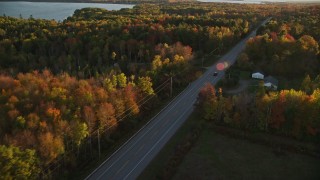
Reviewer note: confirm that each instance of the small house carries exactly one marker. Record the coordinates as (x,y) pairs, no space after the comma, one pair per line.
(271,83)
(257,75)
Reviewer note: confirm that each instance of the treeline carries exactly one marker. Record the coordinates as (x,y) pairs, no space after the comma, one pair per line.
(288,112)
(287,46)
(53,114)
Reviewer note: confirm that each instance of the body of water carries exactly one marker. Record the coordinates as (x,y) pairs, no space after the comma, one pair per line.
(50,10)
(60,11)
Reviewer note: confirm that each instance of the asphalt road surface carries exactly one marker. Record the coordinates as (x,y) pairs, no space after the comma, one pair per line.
(132,157)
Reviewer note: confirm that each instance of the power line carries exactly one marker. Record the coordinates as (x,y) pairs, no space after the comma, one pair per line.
(56,163)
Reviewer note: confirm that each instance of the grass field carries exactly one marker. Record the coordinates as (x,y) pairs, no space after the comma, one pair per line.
(219,157)
(216,156)
(245,75)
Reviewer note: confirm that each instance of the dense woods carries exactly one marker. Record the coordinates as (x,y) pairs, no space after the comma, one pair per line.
(99,73)
(290,113)
(287,46)
(93,40)
(51,114)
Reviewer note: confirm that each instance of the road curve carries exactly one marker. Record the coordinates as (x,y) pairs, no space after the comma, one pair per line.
(132,157)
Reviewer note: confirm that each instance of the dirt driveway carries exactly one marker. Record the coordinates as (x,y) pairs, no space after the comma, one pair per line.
(243,84)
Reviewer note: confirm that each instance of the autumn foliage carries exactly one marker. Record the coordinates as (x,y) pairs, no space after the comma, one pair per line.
(288,45)
(64,83)
(288,112)
(50,114)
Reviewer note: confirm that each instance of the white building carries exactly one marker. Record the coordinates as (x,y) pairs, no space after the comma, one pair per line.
(257,75)
(271,83)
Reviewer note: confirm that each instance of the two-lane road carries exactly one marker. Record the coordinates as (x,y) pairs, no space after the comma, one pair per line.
(132,158)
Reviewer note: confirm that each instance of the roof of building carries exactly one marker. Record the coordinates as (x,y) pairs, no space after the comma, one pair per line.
(271,80)
(257,73)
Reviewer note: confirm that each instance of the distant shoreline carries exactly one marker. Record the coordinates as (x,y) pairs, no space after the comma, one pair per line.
(58,11)
(130,2)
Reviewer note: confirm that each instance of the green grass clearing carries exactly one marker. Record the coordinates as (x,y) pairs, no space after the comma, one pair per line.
(216,156)
(245,75)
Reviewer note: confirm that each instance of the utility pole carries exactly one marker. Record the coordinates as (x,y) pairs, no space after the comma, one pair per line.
(99,144)
(202,62)
(171,86)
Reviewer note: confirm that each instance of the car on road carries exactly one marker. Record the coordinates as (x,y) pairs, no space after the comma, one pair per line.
(215,73)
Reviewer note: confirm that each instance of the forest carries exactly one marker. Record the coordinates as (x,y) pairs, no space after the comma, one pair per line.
(289,113)
(288,47)
(99,73)
(93,40)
